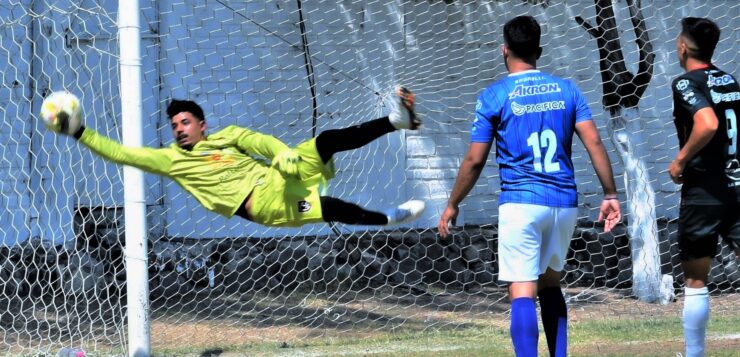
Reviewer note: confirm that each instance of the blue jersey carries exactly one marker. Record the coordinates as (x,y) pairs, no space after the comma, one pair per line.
(532,116)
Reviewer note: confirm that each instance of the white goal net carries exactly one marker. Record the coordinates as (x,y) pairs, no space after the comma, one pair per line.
(293,69)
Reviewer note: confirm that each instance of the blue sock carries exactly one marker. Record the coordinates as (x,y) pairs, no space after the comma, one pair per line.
(695,317)
(524,332)
(554,320)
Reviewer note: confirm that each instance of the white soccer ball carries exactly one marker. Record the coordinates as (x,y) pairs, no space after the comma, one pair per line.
(62,113)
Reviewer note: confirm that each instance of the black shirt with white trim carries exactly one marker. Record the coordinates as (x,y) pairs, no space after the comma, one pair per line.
(713,175)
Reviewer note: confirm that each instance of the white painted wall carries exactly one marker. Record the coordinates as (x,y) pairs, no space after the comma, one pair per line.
(245,65)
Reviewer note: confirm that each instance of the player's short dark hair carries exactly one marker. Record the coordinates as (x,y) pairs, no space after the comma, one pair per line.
(177,106)
(522,36)
(704,34)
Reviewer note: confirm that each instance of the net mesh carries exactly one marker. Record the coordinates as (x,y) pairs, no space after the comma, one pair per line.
(293,69)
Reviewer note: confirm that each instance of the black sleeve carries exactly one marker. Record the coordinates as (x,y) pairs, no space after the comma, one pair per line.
(688,95)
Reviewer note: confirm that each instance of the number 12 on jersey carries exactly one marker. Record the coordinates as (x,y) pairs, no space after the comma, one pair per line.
(538,141)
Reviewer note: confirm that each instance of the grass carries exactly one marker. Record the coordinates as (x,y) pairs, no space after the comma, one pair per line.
(600,337)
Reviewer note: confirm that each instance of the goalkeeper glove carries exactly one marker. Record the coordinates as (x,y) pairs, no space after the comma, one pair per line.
(286,162)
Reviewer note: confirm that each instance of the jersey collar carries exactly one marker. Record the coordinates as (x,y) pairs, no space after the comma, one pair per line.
(525,72)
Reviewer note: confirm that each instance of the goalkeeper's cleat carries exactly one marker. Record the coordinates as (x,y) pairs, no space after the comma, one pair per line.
(405,212)
(402,114)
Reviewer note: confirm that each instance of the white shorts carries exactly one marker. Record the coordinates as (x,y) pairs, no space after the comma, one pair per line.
(532,238)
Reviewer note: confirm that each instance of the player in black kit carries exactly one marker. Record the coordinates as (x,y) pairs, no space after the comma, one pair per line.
(706,103)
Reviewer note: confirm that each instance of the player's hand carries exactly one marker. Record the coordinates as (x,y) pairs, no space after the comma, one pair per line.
(610,213)
(676,171)
(286,162)
(448,216)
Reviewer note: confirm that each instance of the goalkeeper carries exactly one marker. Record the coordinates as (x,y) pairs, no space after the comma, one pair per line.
(225,174)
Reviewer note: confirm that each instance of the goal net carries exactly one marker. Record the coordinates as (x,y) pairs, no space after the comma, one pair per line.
(293,69)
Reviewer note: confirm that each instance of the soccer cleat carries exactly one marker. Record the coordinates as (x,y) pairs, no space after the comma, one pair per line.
(405,212)
(402,114)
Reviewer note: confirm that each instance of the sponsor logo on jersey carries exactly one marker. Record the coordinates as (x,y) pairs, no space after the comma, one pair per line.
(519,109)
(525,91)
(724,97)
(713,81)
(688,96)
(530,79)
(682,84)
(304,206)
(220,158)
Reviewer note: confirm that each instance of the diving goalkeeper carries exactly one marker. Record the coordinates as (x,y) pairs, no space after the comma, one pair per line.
(224,173)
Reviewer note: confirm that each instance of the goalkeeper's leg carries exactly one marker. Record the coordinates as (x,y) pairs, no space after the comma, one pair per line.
(333,141)
(402,116)
(336,210)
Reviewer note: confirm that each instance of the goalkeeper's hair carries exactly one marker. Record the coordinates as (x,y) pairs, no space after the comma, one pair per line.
(704,34)
(177,106)
(522,36)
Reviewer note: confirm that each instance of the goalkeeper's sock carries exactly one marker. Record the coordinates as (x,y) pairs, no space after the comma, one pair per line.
(405,212)
(333,141)
(555,320)
(336,210)
(524,332)
(695,317)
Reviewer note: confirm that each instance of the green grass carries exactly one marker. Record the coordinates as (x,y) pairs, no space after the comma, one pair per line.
(480,342)
(614,337)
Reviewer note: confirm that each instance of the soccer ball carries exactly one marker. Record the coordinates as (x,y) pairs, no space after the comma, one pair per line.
(62,113)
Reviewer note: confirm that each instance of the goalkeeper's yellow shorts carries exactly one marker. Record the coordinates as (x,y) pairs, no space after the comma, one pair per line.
(293,202)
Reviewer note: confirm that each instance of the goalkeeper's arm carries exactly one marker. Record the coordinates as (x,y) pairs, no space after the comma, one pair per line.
(282,156)
(152,160)
(256,143)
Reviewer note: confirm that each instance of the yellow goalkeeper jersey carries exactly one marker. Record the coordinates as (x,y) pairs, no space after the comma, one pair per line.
(220,171)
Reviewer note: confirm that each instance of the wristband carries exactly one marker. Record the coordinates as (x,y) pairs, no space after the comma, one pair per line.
(78,134)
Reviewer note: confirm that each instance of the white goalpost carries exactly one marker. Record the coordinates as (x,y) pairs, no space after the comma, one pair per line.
(137,259)
(106,259)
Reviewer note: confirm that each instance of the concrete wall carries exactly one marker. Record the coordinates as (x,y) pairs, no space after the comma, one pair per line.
(245,65)
(447,51)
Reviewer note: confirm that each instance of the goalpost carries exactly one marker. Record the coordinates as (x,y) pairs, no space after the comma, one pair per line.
(76,272)
(137,270)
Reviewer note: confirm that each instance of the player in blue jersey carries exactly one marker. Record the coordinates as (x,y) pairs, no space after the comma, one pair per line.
(532,116)
(706,103)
